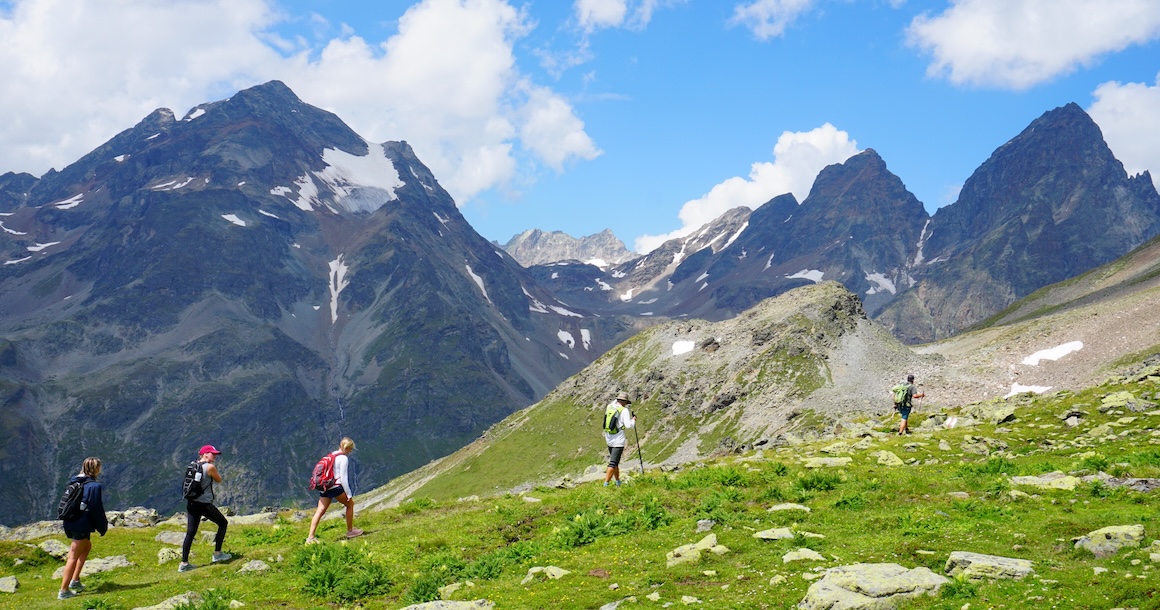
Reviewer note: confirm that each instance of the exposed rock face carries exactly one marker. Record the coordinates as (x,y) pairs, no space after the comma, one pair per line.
(536,247)
(870,586)
(1046,206)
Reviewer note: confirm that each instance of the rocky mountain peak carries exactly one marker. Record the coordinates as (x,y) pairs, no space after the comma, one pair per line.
(536,247)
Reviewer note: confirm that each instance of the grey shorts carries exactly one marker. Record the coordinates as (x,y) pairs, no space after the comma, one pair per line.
(614,454)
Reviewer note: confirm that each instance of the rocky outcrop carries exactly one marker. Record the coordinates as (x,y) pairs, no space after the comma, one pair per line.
(536,247)
(1108,541)
(976,566)
(870,586)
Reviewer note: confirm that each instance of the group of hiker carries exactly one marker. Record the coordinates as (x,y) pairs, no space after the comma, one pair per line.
(82,509)
(85,512)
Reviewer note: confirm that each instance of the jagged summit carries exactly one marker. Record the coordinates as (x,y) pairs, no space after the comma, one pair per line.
(536,247)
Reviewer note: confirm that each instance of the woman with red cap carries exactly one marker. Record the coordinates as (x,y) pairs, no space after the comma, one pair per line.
(200,506)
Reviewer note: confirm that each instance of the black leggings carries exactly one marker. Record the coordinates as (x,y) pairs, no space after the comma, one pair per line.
(194,511)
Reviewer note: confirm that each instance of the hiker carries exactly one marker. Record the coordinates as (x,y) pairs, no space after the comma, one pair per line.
(200,506)
(906,403)
(341,491)
(617,419)
(80,529)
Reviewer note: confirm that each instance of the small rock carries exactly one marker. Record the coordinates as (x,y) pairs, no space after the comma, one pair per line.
(598,573)
(256,565)
(689,600)
(1098,570)
(235,604)
(531,500)
(710,573)
(959,495)
(776,580)
(96,566)
(777,533)
(802,554)
(187,598)
(654,596)
(977,566)
(788,506)
(614,586)
(169,537)
(8,584)
(165,555)
(705,525)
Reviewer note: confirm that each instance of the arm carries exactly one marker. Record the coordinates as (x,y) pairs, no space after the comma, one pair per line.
(212,471)
(96,508)
(341,462)
(629,421)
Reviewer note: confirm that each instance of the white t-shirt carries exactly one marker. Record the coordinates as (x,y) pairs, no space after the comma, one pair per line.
(340,474)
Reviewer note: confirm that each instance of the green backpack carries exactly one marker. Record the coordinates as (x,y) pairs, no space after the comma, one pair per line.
(612,420)
(899,392)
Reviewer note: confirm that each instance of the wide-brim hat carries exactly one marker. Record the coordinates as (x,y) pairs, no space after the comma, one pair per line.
(623,397)
(208,449)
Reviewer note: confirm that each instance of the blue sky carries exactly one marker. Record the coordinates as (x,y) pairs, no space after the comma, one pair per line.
(649,117)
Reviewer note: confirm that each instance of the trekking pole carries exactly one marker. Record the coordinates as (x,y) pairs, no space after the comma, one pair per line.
(638,456)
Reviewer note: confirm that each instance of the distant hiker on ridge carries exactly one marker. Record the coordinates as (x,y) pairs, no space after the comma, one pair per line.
(903,395)
(332,479)
(81,518)
(617,419)
(200,504)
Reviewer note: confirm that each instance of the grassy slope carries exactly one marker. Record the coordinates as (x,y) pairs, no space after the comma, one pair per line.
(867,513)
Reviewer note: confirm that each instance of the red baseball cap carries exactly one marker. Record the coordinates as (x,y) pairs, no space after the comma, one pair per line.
(208,449)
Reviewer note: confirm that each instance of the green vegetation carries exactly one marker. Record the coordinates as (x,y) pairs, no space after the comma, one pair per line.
(940,501)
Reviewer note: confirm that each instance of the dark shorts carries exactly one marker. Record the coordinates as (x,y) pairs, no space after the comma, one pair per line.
(333,492)
(77,533)
(904,412)
(614,454)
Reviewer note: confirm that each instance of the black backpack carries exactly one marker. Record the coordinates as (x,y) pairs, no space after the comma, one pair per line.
(72,506)
(192,485)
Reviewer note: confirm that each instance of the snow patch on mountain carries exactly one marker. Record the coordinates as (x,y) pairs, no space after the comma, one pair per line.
(358,184)
(71,202)
(813,275)
(682,347)
(566,338)
(1054,353)
(586,337)
(38,247)
(881,284)
(234,219)
(736,235)
(338,282)
(478,282)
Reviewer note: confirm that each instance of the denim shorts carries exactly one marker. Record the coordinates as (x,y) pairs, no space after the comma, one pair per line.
(904,412)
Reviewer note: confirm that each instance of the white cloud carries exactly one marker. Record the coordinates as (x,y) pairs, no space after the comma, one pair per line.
(769,18)
(1017,44)
(632,14)
(798,157)
(592,14)
(1124,111)
(447,82)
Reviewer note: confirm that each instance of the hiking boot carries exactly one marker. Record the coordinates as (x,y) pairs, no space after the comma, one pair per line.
(220,557)
(354,533)
(66,594)
(185,567)
(76,586)
(312,540)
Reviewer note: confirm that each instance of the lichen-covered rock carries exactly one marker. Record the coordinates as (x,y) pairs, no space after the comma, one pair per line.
(479,604)
(976,566)
(802,554)
(777,533)
(167,554)
(993,411)
(256,565)
(54,547)
(1108,540)
(1051,480)
(135,517)
(826,462)
(96,566)
(692,552)
(170,537)
(870,586)
(189,597)
(256,519)
(552,572)
(32,531)
(887,458)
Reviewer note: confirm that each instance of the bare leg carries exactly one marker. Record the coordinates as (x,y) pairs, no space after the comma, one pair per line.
(323,504)
(77,554)
(349,503)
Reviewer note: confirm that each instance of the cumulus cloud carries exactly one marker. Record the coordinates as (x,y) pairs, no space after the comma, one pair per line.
(1124,111)
(74,74)
(768,18)
(632,14)
(1016,44)
(798,157)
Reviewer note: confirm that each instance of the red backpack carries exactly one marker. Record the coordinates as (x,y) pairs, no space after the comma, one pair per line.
(322,477)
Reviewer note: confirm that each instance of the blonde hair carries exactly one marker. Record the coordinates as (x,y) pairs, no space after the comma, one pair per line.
(346,444)
(91,467)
